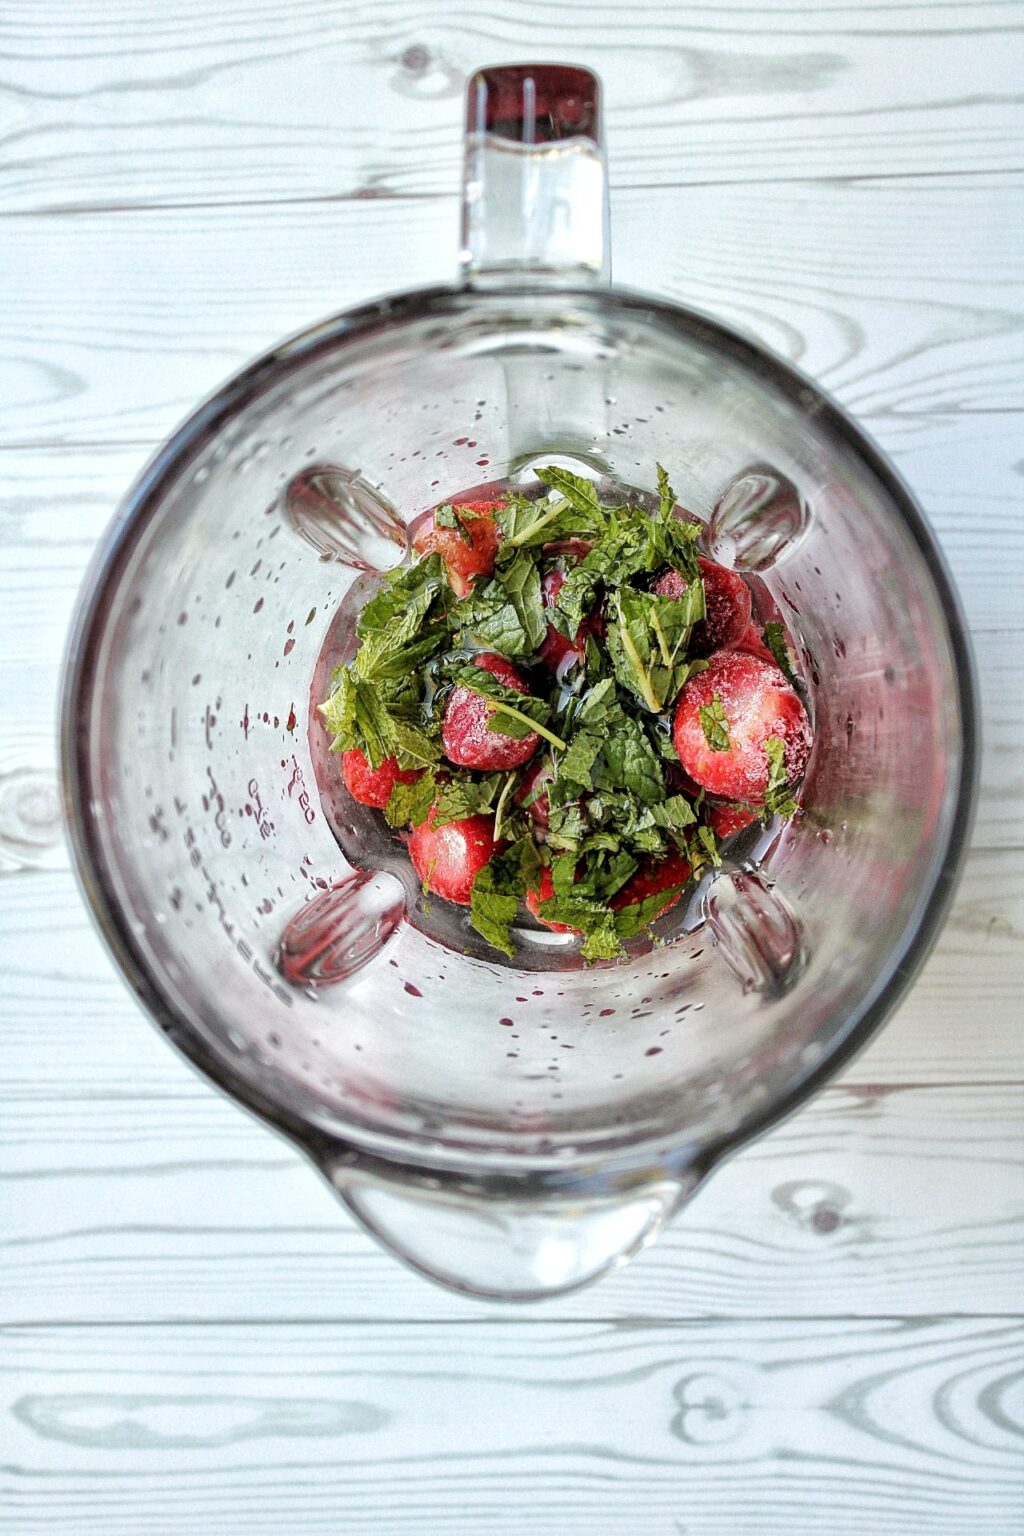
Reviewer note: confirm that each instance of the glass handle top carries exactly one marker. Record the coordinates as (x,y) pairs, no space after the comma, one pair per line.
(534,194)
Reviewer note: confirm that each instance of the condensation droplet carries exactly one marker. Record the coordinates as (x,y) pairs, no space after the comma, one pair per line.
(344,518)
(759,518)
(758,934)
(339,931)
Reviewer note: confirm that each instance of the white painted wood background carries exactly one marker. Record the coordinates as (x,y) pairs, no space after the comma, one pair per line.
(194,1336)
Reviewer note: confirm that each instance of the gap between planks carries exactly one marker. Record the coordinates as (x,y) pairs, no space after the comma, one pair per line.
(516,1317)
(371,194)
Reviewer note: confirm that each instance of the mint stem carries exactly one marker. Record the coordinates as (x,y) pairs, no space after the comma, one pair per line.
(517,714)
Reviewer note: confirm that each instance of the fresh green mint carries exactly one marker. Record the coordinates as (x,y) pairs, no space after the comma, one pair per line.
(714,724)
(778,799)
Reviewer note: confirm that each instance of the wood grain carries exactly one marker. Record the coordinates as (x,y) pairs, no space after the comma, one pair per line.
(125,103)
(72,1030)
(900,1429)
(199,1338)
(868,1202)
(901,297)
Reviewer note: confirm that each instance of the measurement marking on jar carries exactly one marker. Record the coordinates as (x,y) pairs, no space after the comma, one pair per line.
(298,782)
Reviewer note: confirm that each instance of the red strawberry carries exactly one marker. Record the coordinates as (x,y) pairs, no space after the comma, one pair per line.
(463,562)
(751,642)
(465,735)
(373,786)
(543,891)
(758,703)
(678,782)
(651,878)
(577,548)
(726,604)
(557,652)
(727,820)
(538,807)
(449,858)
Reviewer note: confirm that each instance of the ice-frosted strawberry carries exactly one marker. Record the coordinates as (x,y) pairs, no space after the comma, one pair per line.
(726,605)
(543,891)
(466,736)
(373,786)
(726,820)
(532,794)
(463,561)
(752,642)
(449,858)
(724,718)
(669,874)
(557,652)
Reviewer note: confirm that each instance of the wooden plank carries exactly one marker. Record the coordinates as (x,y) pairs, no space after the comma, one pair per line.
(72,1029)
(902,297)
(129,103)
(900,1429)
(867,1203)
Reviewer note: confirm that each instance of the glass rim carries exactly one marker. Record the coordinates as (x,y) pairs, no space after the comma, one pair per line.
(410,1154)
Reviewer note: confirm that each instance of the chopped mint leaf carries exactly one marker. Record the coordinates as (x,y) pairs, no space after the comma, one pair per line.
(714,724)
(666,495)
(409,804)
(406,595)
(778,799)
(602,942)
(701,847)
(597,703)
(499,888)
(628,761)
(675,812)
(508,816)
(520,579)
(412,747)
(489,618)
(774,637)
(579,492)
(709,842)
(647,643)
(360,717)
(577,762)
(566,826)
(631,920)
(458,798)
(529,524)
(605,563)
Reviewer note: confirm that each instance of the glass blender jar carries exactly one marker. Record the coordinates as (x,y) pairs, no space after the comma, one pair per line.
(512,1129)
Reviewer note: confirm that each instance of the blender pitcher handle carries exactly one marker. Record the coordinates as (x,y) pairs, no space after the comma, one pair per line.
(535,188)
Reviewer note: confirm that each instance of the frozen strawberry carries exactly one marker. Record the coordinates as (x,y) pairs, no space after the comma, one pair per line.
(373,786)
(727,820)
(577,548)
(449,858)
(751,642)
(465,734)
(726,605)
(557,652)
(463,561)
(754,702)
(667,874)
(678,782)
(533,796)
(543,891)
